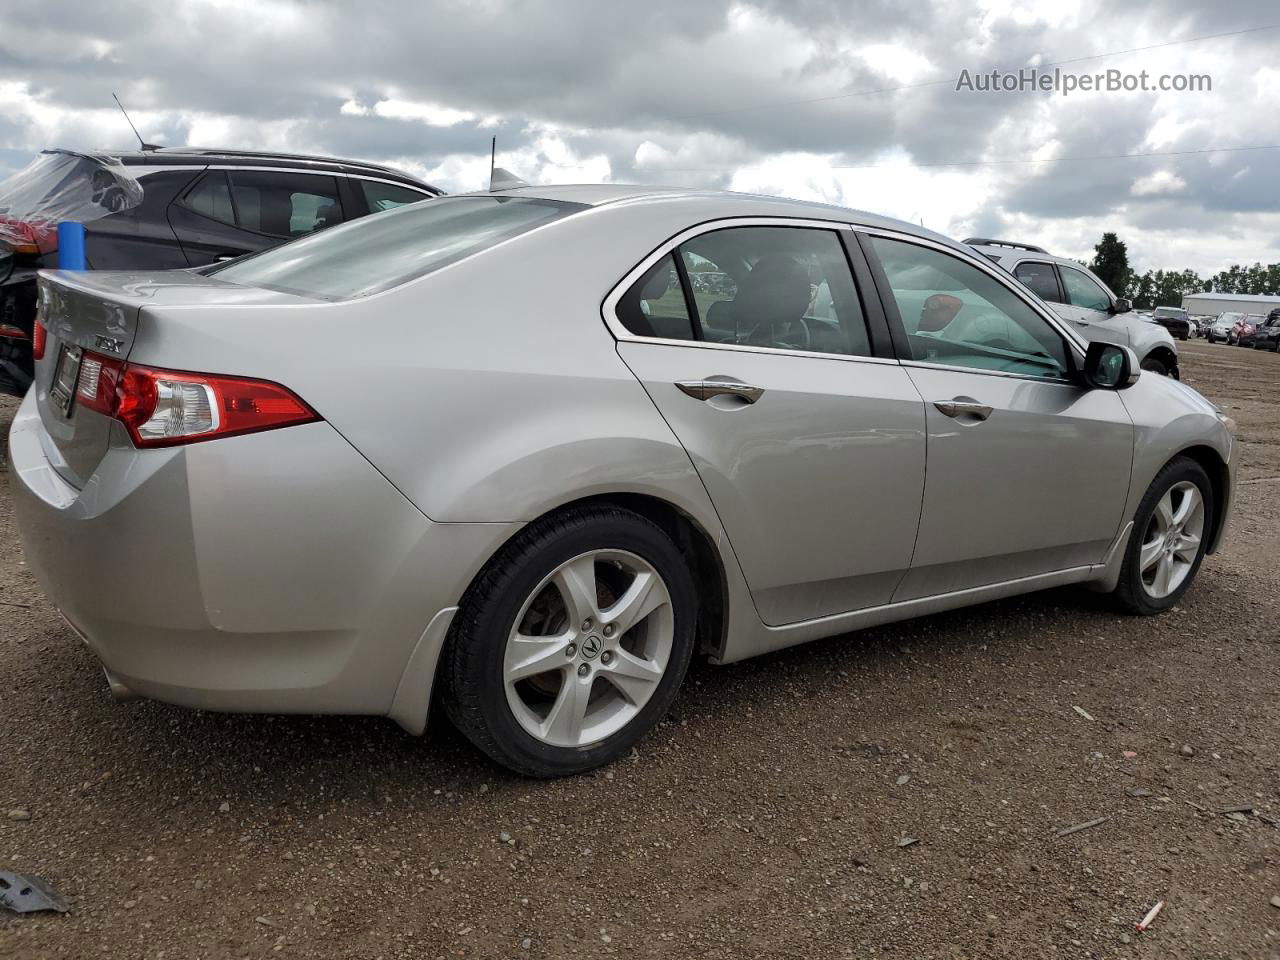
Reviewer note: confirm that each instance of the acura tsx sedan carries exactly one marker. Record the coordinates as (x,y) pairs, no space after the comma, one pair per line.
(528,451)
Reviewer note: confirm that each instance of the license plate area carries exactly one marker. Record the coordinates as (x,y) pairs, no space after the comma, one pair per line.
(65,375)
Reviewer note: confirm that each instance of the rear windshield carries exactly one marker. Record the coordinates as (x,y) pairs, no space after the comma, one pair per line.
(385,250)
(1171,313)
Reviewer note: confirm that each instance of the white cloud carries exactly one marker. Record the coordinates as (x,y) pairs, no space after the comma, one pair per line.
(1159,182)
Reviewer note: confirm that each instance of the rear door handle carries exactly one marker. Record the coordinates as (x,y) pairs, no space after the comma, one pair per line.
(963,408)
(706,389)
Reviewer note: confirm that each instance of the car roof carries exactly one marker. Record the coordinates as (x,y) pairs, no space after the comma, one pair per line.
(205,156)
(732,204)
(1005,251)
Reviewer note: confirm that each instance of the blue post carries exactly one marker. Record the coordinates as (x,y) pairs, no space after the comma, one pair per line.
(71,246)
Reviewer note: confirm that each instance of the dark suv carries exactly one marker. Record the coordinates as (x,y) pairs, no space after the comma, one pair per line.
(1266,336)
(169,208)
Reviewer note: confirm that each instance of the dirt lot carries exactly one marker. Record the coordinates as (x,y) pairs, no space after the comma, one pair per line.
(761,820)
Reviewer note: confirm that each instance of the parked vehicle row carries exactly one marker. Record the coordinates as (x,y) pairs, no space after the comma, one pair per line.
(1077,295)
(170,208)
(551,467)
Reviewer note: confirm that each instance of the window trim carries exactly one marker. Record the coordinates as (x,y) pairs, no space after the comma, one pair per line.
(1062,268)
(842,230)
(1077,346)
(1057,279)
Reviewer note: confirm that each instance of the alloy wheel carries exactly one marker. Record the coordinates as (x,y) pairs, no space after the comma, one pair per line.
(589,648)
(1171,543)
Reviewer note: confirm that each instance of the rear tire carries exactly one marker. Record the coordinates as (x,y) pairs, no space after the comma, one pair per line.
(1171,530)
(572,643)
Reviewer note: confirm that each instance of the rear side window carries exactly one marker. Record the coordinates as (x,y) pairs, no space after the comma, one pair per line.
(284,204)
(388,196)
(372,254)
(1039,278)
(655,304)
(211,198)
(784,288)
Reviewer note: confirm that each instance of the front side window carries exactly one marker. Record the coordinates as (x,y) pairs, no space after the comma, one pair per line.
(955,314)
(1039,278)
(388,196)
(372,254)
(1082,291)
(284,204)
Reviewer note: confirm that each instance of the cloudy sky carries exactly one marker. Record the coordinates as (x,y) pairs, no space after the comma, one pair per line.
(846,101)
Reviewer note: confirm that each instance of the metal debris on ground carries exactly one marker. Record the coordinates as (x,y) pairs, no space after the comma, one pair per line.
(1146,921)
(1077,827)
(1238,808)
(907,841)
(1138,792)
(1083,712)
(22,893)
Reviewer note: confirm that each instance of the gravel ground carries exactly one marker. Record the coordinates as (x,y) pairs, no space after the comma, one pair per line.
(764,818)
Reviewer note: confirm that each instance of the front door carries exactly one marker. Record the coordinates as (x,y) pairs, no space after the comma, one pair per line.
(753,345)
(1027,472)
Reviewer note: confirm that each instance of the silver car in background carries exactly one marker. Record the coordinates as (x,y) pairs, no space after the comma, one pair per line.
(529,451)
(1076,294)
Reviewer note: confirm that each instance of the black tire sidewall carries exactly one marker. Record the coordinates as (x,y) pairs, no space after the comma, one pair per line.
(1132,589)
(1154,365)
(521,572)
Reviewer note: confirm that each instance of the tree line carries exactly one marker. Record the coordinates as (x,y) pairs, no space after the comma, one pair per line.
(1166,288)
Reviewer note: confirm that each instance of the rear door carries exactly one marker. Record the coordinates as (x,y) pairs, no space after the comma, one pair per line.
(754,343)
(1028,472)
(229,213)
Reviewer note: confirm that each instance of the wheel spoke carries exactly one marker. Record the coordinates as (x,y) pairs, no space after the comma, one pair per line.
(1187,547)
(1190,503)
(1164,577)
(645,595)
(635,678)
(529,656)
(1164,511)
(564,721)
(1150,554)
(576,582)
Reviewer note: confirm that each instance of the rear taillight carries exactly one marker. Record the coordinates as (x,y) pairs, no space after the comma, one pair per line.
(161,408)
(29,236)
(38,337)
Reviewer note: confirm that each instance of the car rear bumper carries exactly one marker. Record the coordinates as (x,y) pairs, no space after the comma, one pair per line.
(273,572)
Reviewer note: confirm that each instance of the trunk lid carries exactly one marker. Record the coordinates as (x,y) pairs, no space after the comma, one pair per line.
(99,312)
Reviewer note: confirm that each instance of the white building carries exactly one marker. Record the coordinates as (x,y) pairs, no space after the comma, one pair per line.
(1212,304)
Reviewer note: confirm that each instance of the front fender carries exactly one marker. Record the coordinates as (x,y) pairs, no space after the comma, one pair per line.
(1171,418)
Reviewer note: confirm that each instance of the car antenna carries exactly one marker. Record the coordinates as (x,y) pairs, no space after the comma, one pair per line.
(145,145)
(500,179)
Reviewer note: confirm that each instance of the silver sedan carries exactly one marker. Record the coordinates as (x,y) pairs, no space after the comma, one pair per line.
(529,451)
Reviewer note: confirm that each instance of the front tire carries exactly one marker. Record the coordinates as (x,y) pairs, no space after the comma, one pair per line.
(1170,533)
(572,643)
(1155,365)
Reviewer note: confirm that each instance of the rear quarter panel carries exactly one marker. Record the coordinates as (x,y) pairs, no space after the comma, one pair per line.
(488,391)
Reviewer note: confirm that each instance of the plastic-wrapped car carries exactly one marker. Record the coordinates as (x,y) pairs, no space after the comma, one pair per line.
(169,208)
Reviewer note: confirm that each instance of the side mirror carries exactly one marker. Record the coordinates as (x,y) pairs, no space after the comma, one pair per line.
(1121,305)
(1109,366)
(6,264)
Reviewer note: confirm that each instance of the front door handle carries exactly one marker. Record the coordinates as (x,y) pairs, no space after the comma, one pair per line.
(963,408)
(706,389)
